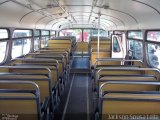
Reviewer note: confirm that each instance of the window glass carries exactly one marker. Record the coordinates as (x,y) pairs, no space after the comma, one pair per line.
(153,36)
(36,39)
(118,32)
(92,32)
(22,33)
(135,35)
(53,33)
(20,47)
(153,53)
(3,46)
(116,47)
(3,34)
(36,33)
(72,32)
(45,32)
(44,38)
(26,46)
(36,43)
(44,41)
(17,48)
(137,48)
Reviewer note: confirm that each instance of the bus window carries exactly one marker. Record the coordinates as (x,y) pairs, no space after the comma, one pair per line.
(153,48)
(36,39)
(36,43)
(135,35)
(153,52)
(135,43)
(53,34)
(22,33)
(3,34)
(92,32)
(21,42)
(3,44)
(44,38)
(153,36)
(137,48)
(72,32)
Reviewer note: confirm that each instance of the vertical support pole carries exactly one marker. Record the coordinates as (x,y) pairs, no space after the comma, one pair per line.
(98,45)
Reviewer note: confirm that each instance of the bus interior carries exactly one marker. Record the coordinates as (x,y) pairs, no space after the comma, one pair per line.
(79,60)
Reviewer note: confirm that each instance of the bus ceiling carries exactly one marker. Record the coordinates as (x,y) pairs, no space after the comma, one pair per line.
(61,14)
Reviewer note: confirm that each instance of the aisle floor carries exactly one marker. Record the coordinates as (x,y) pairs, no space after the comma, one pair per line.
(76,103)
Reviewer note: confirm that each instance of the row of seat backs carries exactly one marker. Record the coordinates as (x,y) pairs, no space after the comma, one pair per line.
(114,63)
(102,54)
(19,103)
(104,50)
(55,57)
(61,57)
(55,68)
(82,47)
(126,89)
(39,70)
(117,62)
(130,103)
(38,76)
(55,51)
(126,74)
(46,62)
(53,65)
(72,38)
(62,42)
(104,43)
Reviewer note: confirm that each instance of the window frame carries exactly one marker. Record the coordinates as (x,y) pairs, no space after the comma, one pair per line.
(82,29)
(146,33)
(7,44)
(36,36)
(1,39)
(51,35)
(150,42)
(22,37)
(28,37)
(72,35)
(142,48)
(135,38)
(118,32)
(45,30)
(41,36)
(138,40)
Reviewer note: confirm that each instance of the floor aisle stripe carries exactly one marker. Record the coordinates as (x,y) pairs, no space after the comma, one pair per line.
(68,97)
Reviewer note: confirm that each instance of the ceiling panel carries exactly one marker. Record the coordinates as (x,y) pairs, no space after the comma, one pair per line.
(126,14)
(11,14)
(78,8)
(77,2)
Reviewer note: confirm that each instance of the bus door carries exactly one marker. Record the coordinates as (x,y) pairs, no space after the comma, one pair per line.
(118,46)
